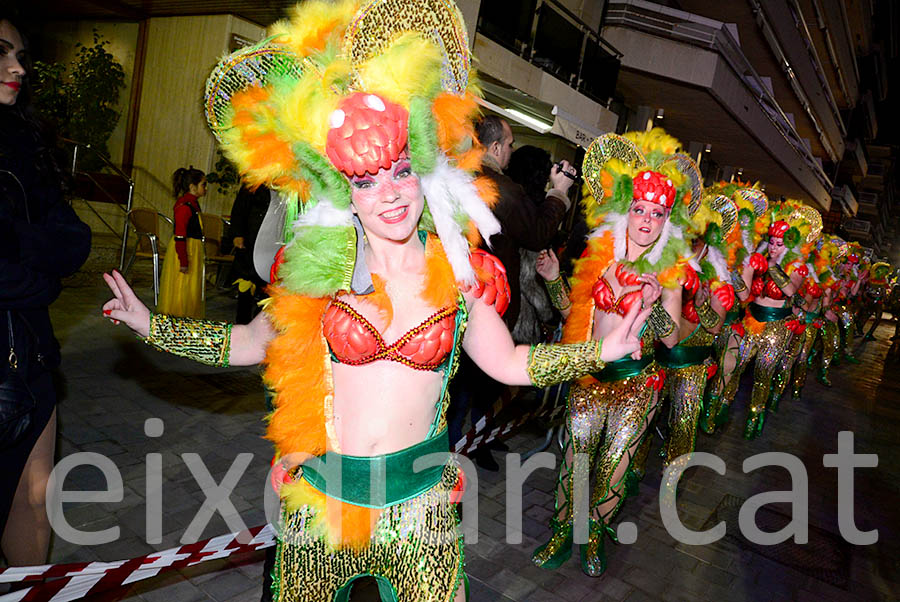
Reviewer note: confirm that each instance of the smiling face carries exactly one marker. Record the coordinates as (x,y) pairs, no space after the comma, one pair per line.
(12,57)
(776,248)
(645,222)
(390,202)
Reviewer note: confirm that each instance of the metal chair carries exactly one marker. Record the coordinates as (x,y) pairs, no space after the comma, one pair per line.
(213,236)
(145,223)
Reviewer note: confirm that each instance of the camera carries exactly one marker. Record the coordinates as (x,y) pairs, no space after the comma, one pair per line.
(571,176)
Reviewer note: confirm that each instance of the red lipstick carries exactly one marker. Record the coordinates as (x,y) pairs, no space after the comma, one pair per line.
(14,85)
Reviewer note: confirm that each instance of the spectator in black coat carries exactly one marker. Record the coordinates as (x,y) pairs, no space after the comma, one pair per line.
(525,225)
(247,215)
(41,241)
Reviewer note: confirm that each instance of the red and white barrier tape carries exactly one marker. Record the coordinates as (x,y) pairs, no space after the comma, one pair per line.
(65,582)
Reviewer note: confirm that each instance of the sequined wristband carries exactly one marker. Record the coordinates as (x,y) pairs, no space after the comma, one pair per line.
(199,340)
(708,316)
(778,276)
(660,321)
(738,282)
(552,364)
(559,293)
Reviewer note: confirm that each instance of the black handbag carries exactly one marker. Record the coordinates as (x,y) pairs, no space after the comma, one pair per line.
(17,402)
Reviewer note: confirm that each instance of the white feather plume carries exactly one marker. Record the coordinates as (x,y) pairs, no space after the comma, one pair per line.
(714,256)
(325,214)
(448,192)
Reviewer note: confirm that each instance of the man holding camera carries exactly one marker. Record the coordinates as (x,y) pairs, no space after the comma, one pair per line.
(524,225)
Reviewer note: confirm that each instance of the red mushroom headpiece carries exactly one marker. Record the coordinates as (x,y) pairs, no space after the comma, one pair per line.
(367,133)
(779,228)
(654,187)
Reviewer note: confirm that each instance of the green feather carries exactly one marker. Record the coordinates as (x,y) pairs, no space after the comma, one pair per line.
(426,222)
(423,143)
(319,261)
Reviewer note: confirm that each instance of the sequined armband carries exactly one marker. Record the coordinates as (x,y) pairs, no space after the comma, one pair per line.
(660,321)
(551,364)
(559,293)
(738,282)
(708,316)
(778,276)
(199,340)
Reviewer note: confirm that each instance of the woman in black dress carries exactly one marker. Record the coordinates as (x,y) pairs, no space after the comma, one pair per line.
(41,241)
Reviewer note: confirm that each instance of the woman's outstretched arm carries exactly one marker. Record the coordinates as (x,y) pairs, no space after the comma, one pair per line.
(200,340)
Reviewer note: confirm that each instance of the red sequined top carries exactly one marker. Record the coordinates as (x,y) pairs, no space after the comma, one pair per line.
(605,299)
(354,340)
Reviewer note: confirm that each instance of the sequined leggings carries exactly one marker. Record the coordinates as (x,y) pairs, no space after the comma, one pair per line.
(720,394)
(769,347)
(685,387)
(415,553)
(606,422)
(807,343)
(831,344)
(848,330)
(782,373)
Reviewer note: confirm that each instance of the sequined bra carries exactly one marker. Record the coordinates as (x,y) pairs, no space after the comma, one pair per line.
(354,340)
(605,298)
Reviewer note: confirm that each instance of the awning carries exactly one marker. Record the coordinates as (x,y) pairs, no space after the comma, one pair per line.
(558,122)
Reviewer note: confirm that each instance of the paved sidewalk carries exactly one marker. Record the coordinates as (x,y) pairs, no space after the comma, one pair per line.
(113,384)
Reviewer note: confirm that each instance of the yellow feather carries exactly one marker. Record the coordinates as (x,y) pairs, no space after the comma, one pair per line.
(313,24)
(411,66)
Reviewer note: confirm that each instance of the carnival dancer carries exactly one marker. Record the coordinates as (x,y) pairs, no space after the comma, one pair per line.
(806,219)
(849,272)
(638,209)
(810,310)
(691,363)
(769,321)
(893,303)
(873,299)
(361,121)
(743,261)
(831,337)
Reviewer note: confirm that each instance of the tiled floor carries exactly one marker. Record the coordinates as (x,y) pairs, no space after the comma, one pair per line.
(113,384)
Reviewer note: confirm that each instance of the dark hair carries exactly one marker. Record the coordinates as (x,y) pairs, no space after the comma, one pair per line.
(183,178)
(21,128)
(23,99)
(489,130)
(529,166)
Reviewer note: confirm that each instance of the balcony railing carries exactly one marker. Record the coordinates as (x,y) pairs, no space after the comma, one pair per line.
(550,36)
(706,33)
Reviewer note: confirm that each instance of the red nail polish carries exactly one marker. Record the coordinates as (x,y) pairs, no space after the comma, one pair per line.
(107,312)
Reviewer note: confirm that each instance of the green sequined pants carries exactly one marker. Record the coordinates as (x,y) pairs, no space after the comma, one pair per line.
(605,423)
(685,388)
(807,344)
(415,553)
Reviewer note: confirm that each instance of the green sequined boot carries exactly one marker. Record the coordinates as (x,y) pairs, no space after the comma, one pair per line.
(593,553)
(823,378)
(555,552)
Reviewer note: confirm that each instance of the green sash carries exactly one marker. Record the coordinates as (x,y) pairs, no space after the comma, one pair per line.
(362,478)
(761,313)
(682,356)
(622,369)
(735,315)
(811,316)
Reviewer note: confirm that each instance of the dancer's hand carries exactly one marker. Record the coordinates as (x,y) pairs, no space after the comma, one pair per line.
(625,339)
(126,307)
(651,289)
(547,265)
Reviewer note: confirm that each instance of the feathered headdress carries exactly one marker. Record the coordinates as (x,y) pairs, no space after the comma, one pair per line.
(798,225)
(641,166)
(343,87)
(716,223)
(753,219)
